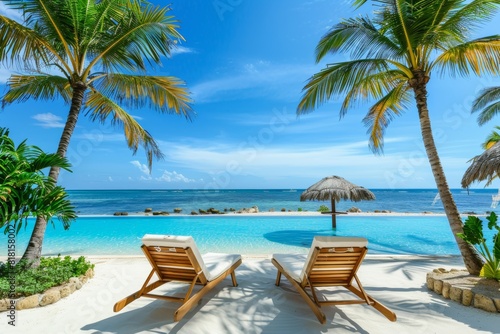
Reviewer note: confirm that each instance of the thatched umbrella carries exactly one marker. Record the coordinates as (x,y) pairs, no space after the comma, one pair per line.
(484,166)
(335,188)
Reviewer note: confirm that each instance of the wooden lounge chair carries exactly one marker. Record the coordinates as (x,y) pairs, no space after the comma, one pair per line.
(332,261)
(177,259)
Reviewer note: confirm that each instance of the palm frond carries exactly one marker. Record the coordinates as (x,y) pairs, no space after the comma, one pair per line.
(37,87)
(358,36)
(383,112)
(487,96)
(337,79)
(478,56)
(141,36)
(163,94)
(462,21)
(102,109)
(373,86)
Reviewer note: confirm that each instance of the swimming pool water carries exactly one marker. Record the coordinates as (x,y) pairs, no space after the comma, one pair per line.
(251,235)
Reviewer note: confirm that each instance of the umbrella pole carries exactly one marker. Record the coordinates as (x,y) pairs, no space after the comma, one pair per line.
(334,216)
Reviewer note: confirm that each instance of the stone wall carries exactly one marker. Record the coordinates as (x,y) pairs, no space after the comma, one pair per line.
(466,289)
(50,296)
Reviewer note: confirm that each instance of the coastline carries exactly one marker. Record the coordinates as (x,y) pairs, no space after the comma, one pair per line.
(288,213)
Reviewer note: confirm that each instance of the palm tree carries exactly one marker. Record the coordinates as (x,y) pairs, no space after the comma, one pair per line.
(24,190)
(492,139)
(102,50)
(393,55)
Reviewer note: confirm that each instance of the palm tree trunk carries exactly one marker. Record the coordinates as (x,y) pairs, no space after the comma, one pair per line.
(470,257)
(34,250)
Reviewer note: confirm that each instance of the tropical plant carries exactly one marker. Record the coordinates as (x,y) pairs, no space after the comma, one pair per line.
(492,139)
(323,208)
(24,190)
(487,103)
(102,50)
(53,271)
(393,56)
(473,234)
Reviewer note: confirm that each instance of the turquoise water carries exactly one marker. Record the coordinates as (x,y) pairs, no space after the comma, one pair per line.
(251,235)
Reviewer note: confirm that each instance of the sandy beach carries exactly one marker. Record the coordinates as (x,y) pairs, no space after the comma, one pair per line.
(256,305)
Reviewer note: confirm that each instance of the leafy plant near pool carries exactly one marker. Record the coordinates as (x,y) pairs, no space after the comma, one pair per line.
(473,234)
(51,272)
(323,208)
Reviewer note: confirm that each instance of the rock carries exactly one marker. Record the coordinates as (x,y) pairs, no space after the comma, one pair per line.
(147,210)
(28,302)
(201,211)
(194,213)
(271,210)
(117,214)
(283,210)
(177,210)
(446,290)
(430,282)
(65,291)
(438,286)
(89,273)
(160,213)
(496,301)
(456,294)
(50,297)
(123,213)
(467,297)
(484,303)
(354,209)
(3,304)
(76,282)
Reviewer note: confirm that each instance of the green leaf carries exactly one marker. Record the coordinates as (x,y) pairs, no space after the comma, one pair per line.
(473,230)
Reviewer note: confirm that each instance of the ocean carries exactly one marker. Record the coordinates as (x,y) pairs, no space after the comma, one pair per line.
(107,202)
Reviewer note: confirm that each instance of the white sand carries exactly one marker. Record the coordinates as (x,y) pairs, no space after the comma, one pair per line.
(257,305)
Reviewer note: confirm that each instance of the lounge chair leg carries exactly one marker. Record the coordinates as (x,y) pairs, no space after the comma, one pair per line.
(388,313)
(233,278)
(278,278)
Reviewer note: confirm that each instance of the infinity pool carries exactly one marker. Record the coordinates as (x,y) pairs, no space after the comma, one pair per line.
(250,235)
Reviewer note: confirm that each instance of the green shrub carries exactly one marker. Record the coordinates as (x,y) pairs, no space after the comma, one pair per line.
(51,272)
(323,208)
(299,209)
(473,234)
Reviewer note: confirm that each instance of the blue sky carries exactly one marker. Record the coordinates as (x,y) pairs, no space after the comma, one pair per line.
(245,63)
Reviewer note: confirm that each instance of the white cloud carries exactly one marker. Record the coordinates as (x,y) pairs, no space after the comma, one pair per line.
(255,79)
(110,179)
(174,177)
(177,50)
(49,120)
(98,136)
(142,167)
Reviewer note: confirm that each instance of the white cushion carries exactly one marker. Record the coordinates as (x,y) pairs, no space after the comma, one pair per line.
(296,264)
(218,263)
(212,264)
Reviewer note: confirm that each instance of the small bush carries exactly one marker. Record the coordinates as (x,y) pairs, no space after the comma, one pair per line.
(299,209)
(51,272)
(323,208)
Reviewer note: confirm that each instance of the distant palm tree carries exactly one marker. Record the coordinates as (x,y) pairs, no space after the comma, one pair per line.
(393,55)
(491,140)
(89,42)
(24,190)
